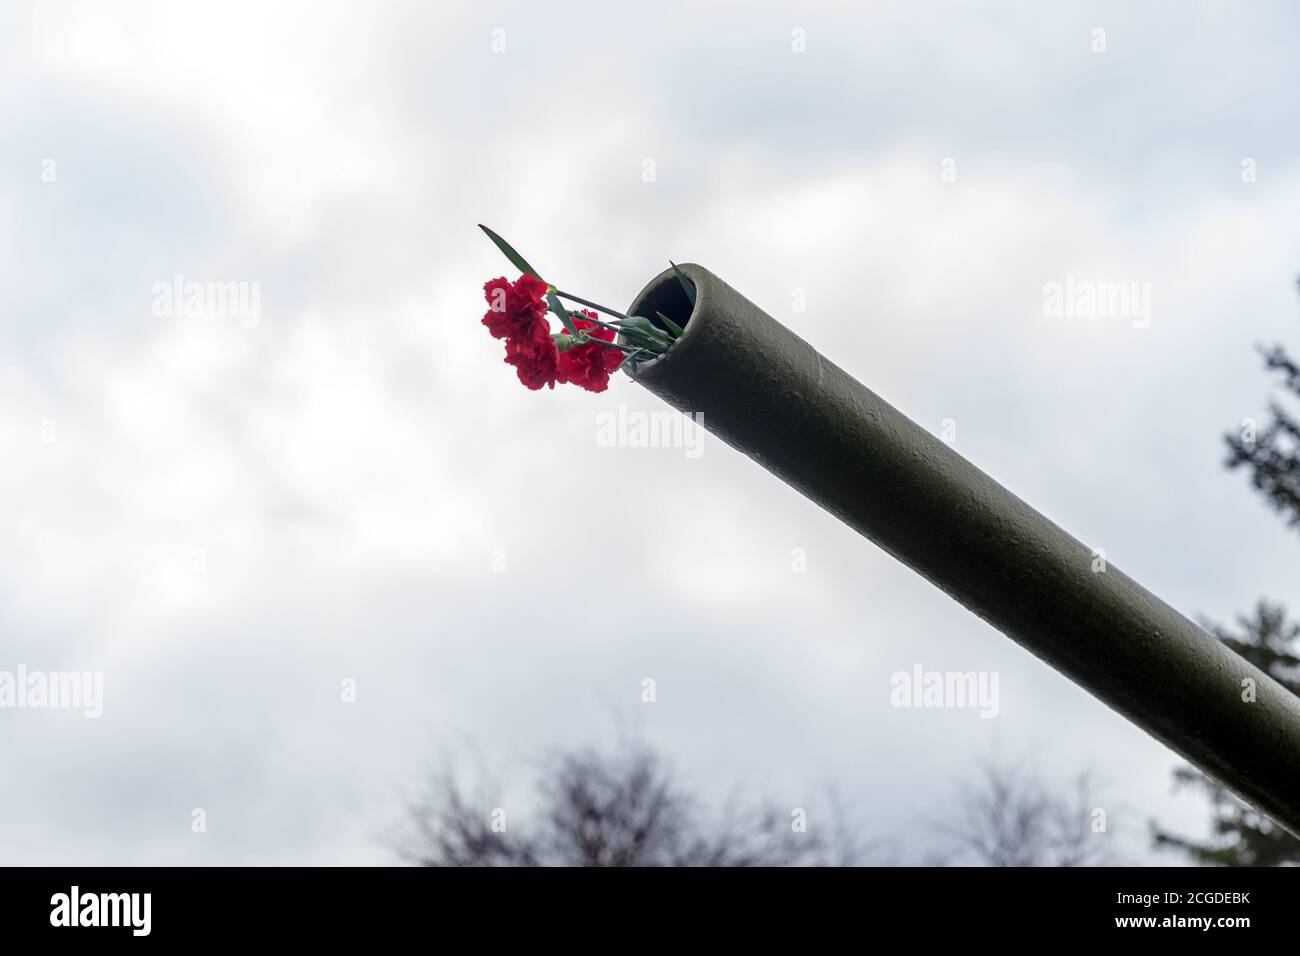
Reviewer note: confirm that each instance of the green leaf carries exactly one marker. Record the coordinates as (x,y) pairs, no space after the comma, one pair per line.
(641,326)
(687,285)
(519,261)
(558,308)
(673,327)
(650,345)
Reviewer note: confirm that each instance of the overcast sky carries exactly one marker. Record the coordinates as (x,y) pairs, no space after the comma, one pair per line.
(231,519)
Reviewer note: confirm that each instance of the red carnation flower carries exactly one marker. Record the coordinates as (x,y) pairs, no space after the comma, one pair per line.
(534,357)
(515,309)
(517,313)
(584,353)
(534,363)
(589,365)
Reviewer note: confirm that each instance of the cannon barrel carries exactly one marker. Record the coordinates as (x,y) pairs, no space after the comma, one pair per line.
(768,393)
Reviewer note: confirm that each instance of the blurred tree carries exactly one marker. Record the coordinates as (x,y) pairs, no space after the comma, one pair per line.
(617,809)
(1272,455)
(1007,817)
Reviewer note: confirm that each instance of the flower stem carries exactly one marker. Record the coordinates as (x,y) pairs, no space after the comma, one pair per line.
(587,318)
(591,305)
(609,345)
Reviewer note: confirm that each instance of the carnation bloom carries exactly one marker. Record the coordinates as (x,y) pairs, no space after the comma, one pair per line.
(584,353)
(515,309)
(517,313)
(534,358)
(589,365)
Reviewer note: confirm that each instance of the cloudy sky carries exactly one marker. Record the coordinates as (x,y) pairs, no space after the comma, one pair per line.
(236,519)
